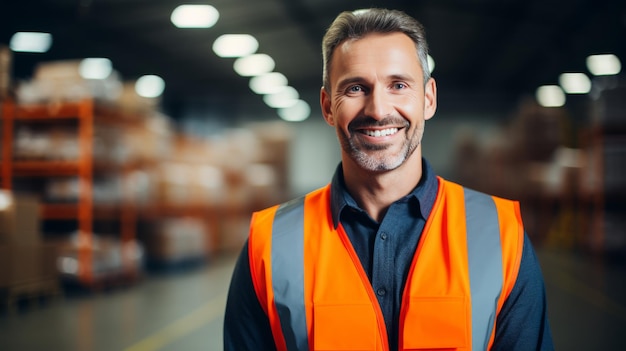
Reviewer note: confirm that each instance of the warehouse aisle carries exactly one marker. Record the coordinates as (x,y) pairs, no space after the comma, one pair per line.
(183,312)
(164,312)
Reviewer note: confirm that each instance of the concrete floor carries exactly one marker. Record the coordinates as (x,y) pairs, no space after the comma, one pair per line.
(587,305)
(162,312)
(586,301)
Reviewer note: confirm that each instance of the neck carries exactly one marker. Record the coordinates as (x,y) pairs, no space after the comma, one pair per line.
(376,191)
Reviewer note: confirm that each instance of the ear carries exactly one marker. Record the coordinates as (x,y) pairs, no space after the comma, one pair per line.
(325,103)
(430,99)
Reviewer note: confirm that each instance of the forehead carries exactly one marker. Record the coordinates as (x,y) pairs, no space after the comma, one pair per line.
(381,54)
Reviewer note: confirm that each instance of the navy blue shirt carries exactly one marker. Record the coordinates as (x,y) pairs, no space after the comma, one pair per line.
(386,250)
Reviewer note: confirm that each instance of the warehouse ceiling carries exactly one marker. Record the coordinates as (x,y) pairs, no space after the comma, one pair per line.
(495,47)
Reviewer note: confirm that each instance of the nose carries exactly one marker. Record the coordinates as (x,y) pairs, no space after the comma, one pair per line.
(378,103)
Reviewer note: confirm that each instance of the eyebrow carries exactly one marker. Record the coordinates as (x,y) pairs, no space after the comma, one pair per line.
(404,77)
(349,81)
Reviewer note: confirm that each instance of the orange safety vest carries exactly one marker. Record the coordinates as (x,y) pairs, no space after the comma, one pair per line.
(312,286)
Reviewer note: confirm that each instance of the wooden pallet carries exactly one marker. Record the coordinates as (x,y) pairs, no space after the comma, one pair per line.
(28,293)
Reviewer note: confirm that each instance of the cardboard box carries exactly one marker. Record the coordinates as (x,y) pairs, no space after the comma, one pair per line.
(21,264)
(178,239)
(6,68)
(20,221)
(234,231)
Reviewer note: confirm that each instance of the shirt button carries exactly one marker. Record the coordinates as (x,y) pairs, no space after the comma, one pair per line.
(381,291)
(383,236)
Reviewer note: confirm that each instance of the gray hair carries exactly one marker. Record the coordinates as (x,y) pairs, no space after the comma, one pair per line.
(357,24)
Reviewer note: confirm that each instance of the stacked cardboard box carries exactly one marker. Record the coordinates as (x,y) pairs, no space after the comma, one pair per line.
(174,241)
(112,262)
(606,146)
(60,81)
(5,71)
(25,260)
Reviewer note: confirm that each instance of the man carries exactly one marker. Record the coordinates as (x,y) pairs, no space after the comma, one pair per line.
(388,256)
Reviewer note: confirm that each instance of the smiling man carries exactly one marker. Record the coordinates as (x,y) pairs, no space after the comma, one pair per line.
(388,256)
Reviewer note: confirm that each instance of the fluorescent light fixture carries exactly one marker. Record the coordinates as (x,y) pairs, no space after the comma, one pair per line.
(268,83)
(575,83)
(235,45)
(150,86)
(31,42)
(431,63)
(95,68)
(604,65)
(286,97)
(550,96)
(253,65)
(195,16)
(296,113)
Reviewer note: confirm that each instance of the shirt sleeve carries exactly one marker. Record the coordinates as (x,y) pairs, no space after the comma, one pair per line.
(523,321)
(246,326)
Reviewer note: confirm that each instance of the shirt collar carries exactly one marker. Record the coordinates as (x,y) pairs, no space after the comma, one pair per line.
(425,192)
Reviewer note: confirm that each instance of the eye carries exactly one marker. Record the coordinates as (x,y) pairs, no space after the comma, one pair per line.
(355,89)
(399,86)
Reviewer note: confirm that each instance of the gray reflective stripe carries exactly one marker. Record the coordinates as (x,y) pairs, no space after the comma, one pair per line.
(484,253)
(288,273)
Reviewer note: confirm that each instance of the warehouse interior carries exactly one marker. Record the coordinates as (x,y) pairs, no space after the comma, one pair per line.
(135,146)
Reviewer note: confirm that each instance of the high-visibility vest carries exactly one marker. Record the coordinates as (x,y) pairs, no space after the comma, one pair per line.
(316,294)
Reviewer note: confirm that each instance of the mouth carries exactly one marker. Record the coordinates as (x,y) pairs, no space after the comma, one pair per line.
(378,133)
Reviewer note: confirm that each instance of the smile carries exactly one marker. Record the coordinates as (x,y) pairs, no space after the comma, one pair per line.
(381,133)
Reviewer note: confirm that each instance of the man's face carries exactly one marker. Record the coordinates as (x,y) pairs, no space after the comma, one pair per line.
(377,100)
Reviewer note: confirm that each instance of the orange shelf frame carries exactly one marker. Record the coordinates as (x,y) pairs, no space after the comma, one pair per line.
(45,168)
(85,113)
(70,211)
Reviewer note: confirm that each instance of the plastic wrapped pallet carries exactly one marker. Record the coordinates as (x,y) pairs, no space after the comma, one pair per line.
(59,81)
(177,240)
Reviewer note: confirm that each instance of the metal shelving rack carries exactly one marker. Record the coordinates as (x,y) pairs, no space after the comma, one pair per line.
(84,112)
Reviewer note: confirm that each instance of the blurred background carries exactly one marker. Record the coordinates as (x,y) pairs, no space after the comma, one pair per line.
(138,136)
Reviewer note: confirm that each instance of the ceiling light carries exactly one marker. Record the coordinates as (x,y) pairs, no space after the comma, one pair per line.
(296,113)
(150,86)
(31,42)
(286,97)
(195,16)
(95,68)
(254,65)
(550,96)
(268,83)
(235,45)
(431,64)
(575,83)
(604,65)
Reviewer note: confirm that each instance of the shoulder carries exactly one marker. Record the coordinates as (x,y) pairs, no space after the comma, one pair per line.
(483,203)
(262,221)
(484,211)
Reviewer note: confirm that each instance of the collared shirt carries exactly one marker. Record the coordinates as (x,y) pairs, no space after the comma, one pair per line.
(386,250)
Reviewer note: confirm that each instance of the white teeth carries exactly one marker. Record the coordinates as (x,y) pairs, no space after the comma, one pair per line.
(380,133)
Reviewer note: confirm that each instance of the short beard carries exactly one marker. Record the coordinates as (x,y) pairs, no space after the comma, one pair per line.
(359,152)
